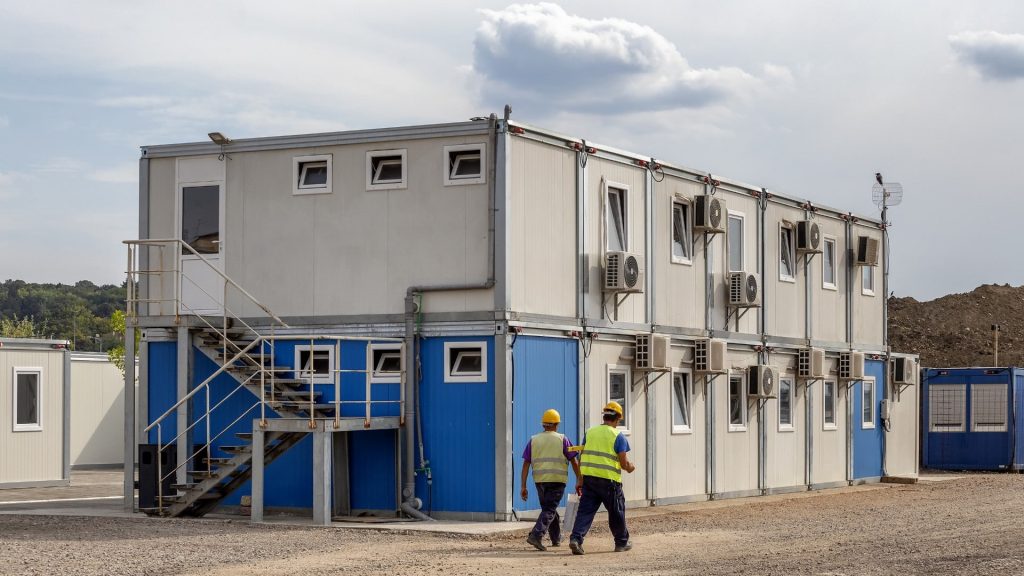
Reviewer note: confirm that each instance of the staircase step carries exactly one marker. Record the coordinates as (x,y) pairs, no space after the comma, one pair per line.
(185,486)
(203,474)
(298,405)
(236,449)
(218,461)
(244,435)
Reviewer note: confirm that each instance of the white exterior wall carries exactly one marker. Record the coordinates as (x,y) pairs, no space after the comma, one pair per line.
(678,286)
(786,446)
(902,440)
(34,455)
(828,305)
(743,204)
(97,411)
(785,299)
(679,455)
(830,445)
(868,308)
(736,468)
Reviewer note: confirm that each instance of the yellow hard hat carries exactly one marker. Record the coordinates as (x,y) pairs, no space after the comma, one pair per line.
(551,416)
(613,406)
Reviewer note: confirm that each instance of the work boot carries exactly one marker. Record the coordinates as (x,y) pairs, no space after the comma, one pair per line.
(624,547)
(535,542)
(556,543)
(576,547)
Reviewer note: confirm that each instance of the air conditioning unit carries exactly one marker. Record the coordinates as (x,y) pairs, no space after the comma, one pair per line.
(623,272)
(867,251)
(851,365)
(811,363)
(904,371)
(744,289)
(808,237)
(709,355)
(651,352)
(761,381)
(709,214)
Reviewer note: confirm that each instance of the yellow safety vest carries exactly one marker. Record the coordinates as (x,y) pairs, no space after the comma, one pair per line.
(546,457)
(599,457)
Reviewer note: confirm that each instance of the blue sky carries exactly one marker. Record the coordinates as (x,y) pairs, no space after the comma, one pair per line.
(803,97)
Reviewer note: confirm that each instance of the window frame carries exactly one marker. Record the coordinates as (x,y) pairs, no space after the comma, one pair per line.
(825,423)
(947,387)
(988,427)
(868,271)
(298,163)
(866,385)
(371,366)
(742,217)
(317,378)
(787,248)
(688,390)
(372,184)
(450,376)
(742,378)
(834,285)
(607,188)
(627,405)
(687,230)
(448,169)
(786,427)
(36,426)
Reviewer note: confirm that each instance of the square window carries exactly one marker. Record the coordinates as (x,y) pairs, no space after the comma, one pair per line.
(988,407)
(386,170)
(828,402)
(867,389)
(682,394)
(28,399)
(786,405)
(385,363)
(867,280)
(316,362)
(311,174)
(787,251)
(682,243)
(734,238)
(619,378)
(828,264)
(465,164)
(947,407)
(465,362)
(616,218)
(737,404)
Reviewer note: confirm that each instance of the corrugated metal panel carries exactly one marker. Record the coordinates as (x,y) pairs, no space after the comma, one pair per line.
(32,456)
(97,413)
(372,469)
(163,385)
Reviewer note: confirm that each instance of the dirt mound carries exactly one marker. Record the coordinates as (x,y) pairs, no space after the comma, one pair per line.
(956,330)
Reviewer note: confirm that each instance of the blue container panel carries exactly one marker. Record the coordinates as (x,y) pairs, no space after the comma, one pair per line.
(867,443)
(372,469)
(1018,415)
(546,376)
(162,386)
(459,435)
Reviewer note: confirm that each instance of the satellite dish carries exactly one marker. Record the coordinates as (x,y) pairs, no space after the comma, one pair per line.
(886,193)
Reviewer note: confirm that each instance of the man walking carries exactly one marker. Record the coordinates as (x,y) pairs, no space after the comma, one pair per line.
(550,456)
(604,458)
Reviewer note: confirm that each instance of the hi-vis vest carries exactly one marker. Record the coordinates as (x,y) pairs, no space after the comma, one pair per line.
(599,458)
(546,457)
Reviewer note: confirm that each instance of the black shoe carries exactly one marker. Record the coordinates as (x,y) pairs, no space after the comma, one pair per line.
(624,547)
(556,543)
(576,547)
(535,542)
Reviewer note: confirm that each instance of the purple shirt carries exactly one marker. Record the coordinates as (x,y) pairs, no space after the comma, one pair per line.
(569,455)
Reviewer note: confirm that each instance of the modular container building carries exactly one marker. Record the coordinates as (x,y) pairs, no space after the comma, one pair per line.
(97,411)
(34,413)
(971,418)
(374,321)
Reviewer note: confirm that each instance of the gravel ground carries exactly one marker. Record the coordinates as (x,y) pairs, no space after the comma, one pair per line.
(971,525)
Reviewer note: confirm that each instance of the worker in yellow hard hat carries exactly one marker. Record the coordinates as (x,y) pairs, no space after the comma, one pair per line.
(604,458)
(550,455)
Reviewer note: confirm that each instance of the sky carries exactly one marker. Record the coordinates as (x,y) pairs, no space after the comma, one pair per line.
(806,98)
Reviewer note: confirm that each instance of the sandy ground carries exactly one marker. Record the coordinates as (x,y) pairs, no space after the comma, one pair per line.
(971,525)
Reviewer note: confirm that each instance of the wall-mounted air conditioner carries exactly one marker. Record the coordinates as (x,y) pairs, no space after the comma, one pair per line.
(851,365)
(651,352)
(808,237)
(904,371)
(761,381)
(709,214)
(744,289)
(623,272)
(867,251)
(709,356)
(811,363)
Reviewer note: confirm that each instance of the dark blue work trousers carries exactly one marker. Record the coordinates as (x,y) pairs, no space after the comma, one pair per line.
(549,494)
(597,491)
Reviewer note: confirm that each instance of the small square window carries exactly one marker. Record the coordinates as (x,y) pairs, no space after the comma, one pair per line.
(618,391)
(465,362)
(311,174)
(28,399)
(787,258)
(385,363)
(682,394)
(828,264)
(989,407)
(682,244)
(947,407)
(785,405)
(464,164)
(386,170)
(828,402)
(737,404)
(316,362)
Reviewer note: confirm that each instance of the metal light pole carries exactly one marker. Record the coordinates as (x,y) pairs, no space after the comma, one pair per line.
(995,344)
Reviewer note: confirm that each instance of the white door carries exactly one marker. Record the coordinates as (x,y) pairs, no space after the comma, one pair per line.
(201,219)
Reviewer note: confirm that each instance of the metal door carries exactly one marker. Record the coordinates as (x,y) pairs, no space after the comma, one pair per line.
(200,221)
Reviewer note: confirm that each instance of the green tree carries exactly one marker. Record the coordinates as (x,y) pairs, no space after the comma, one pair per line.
(15,328)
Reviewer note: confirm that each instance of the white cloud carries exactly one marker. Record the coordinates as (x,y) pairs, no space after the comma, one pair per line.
(127,173)
(540,55)
(994,55)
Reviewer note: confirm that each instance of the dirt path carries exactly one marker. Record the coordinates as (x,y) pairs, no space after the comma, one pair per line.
(974,525)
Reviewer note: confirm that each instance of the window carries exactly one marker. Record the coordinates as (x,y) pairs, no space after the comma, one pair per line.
(465,362)
(385,170)
(385,363)
(682,393)
(311,174)
(316,362)
(786,404)
(828,264)
(867,406)
(616,222)
(618,391)
(787,259)
(200,218)
(464,164)
(947,407)
(828,401)
(737,404)
(735,239)
(988,407)
(28,399)
(682,243)
(867,280)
